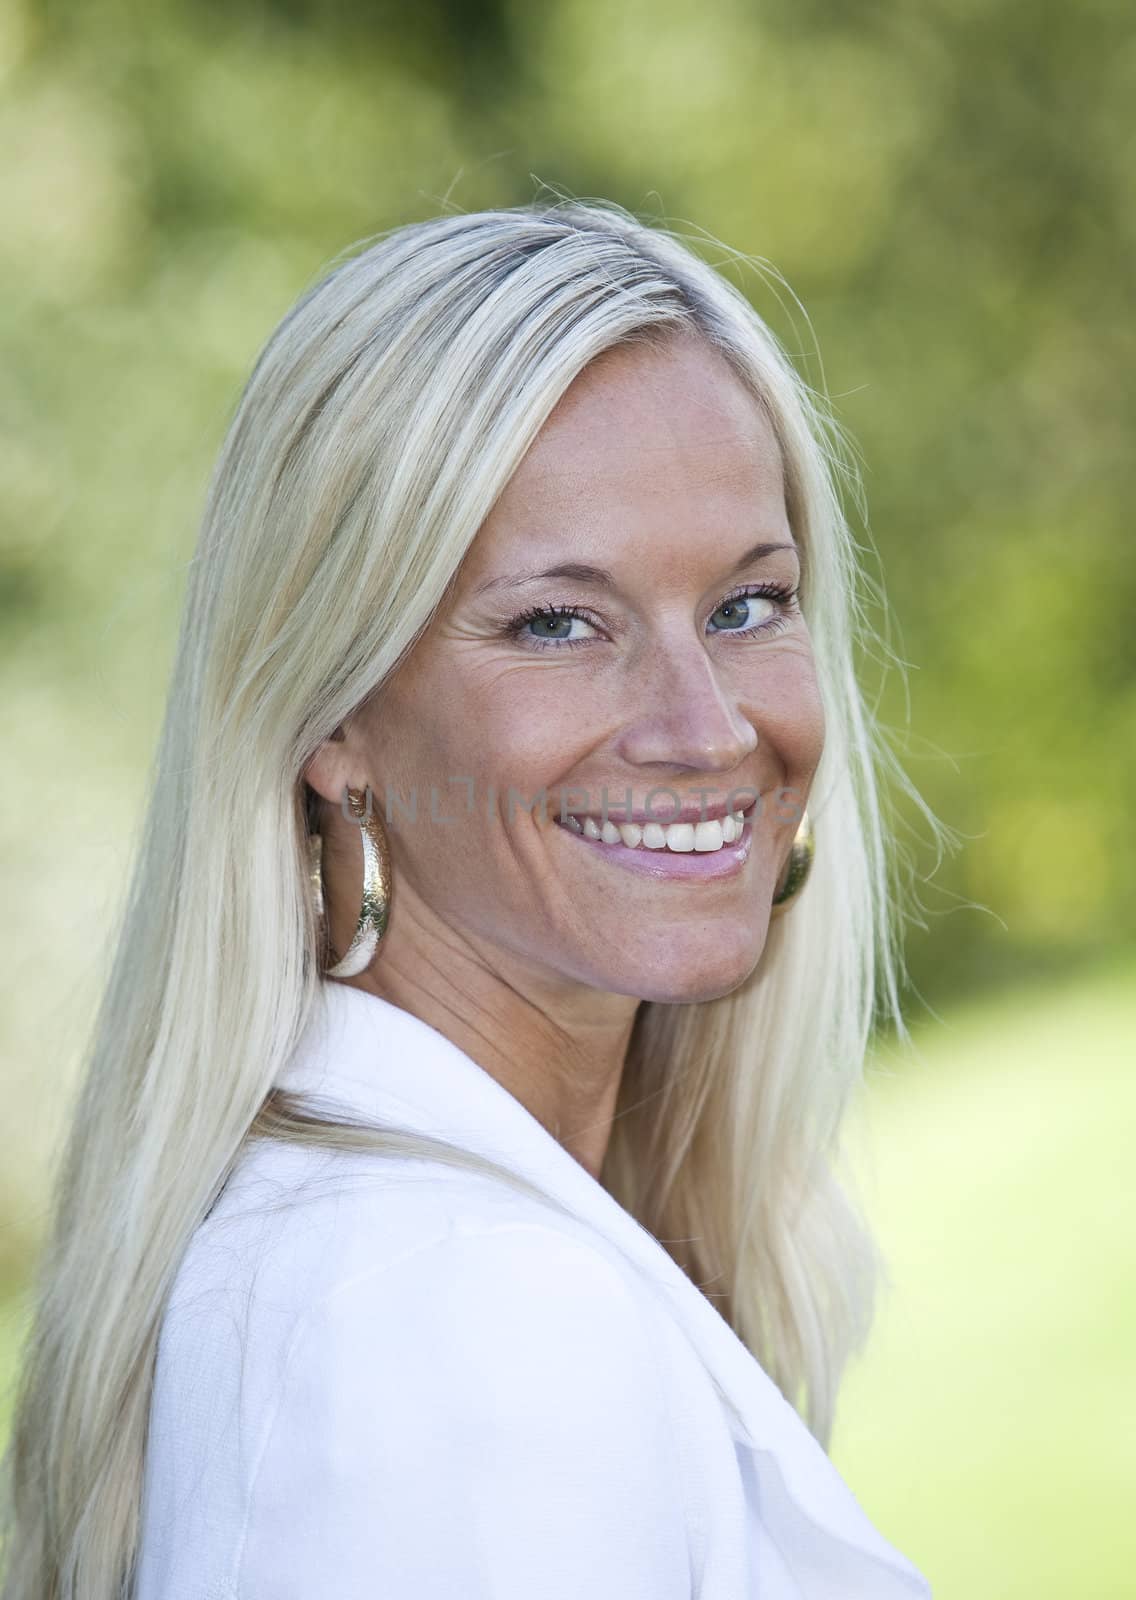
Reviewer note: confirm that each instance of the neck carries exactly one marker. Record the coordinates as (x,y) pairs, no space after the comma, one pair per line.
(557,1047)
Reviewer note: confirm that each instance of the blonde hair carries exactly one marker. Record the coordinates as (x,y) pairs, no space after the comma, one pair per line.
(379,425)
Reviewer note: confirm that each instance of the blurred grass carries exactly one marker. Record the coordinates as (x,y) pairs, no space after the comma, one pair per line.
(990,1429)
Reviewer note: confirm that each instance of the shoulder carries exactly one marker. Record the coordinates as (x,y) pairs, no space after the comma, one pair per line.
(474,1294)
(507,1295)
(484,1413)
(446,1270)
(419,1381)
(298,1226)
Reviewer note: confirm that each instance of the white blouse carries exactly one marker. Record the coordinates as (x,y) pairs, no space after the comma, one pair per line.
(384,1378)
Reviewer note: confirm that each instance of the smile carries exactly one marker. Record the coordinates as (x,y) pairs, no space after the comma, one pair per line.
(680,837)
(710,849)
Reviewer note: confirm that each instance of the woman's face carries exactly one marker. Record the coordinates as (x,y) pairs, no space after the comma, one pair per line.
(667,660)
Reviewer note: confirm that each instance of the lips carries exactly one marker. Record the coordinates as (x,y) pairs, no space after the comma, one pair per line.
(680,852)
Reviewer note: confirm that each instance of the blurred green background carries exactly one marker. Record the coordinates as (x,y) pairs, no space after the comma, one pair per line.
(948,189)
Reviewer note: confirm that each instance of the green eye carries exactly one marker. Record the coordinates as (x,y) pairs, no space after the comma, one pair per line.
(735,612)
(545,627)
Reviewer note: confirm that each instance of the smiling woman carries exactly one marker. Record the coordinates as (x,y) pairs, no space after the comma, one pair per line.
(451,1204)
(680,692)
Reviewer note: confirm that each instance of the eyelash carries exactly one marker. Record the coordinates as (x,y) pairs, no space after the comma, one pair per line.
(784,593)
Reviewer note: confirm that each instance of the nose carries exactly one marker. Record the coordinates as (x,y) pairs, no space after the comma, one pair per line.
(684,713)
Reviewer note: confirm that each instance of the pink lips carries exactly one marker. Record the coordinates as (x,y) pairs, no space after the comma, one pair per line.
(723,863)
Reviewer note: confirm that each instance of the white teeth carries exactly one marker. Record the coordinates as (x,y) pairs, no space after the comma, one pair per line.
(681,837)
(708,836)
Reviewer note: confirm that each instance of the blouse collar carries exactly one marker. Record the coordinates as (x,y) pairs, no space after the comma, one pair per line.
(383,1063)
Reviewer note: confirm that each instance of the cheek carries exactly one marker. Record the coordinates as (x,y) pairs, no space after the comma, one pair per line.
(789,712)
(491,728)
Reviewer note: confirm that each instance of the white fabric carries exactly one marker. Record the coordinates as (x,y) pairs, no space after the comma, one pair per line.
(389,1379)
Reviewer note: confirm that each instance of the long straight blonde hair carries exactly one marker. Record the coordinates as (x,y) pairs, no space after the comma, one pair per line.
(380,423)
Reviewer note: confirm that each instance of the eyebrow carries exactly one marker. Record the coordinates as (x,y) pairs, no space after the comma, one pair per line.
(601,578)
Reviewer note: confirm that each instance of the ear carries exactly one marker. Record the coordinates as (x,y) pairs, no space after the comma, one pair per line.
(329,771)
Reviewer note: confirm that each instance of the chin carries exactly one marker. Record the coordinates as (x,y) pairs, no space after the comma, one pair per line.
(685,982)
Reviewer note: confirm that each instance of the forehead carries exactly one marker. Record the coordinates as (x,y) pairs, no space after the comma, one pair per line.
(644,427)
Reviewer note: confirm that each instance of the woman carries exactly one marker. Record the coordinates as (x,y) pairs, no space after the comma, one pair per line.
(450,1207)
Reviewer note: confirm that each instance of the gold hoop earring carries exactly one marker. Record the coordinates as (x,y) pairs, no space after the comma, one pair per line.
(800,865)
(374,910)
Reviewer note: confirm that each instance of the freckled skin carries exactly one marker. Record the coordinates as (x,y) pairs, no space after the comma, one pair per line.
(510,935)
